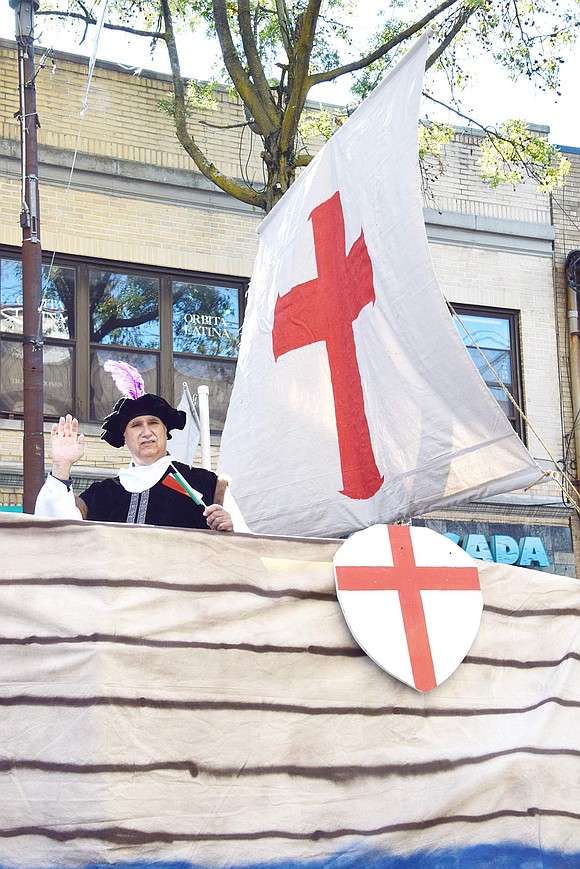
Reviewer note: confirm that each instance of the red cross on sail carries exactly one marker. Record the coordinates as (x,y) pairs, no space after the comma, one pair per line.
(324,309)
(411,580)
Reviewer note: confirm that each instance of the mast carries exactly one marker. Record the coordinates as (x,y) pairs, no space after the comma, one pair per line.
(33,390)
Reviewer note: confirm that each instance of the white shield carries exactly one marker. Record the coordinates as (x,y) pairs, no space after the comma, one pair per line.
(411,599)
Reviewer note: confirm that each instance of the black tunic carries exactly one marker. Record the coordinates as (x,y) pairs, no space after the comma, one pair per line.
(108,501)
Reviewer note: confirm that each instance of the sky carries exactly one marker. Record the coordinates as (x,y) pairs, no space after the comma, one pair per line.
(491,98)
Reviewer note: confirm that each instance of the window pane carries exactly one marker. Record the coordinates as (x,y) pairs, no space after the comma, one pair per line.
(489,332)
(219,376)
(58,378)
(503,401)
(500,361)
(10,296)
(58,299)
(206,319)
(58,302)
(124,309)
(11,377)
(104,393)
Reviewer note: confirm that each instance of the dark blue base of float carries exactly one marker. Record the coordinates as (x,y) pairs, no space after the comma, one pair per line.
(497,856)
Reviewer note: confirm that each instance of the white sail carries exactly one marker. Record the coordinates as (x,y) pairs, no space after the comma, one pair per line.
(355,401)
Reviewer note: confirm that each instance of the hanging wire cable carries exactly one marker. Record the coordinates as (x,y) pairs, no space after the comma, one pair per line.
(93,58)
(84,108)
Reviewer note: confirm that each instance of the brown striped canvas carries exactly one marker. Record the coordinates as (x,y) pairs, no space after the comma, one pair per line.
(195,699)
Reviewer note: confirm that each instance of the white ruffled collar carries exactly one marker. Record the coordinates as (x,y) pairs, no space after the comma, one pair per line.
(137,478)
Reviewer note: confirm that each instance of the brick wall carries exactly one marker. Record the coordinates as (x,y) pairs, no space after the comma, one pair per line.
(460,189)
(123,120)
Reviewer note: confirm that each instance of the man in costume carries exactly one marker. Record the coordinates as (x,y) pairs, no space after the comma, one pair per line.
(155,489)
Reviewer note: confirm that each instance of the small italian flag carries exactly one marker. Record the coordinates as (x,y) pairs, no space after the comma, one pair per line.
(178,483)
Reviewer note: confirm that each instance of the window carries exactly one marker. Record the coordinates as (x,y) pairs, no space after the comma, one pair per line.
(56,322)
(173,327)
(124,324)
(496,334)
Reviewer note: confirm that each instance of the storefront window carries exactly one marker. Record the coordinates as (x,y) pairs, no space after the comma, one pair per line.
(58,300)
(104,393)
(217,374)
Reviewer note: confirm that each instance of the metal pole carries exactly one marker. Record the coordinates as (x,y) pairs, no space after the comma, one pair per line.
(33,444)
(572,272)
(204,439)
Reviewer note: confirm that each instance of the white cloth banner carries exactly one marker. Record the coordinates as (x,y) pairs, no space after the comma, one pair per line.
(355,401)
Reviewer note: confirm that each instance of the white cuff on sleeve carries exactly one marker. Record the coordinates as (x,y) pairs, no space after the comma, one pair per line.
(56,501)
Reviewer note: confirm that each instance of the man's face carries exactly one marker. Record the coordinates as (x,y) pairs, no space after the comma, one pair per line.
(146,438)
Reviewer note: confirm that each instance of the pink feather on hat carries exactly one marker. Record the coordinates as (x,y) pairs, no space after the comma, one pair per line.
(127,379)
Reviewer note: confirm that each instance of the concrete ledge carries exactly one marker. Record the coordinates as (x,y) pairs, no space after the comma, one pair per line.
(125,178)
(472,230)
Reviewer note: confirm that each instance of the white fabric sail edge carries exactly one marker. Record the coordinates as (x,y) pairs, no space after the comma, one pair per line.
(438,436)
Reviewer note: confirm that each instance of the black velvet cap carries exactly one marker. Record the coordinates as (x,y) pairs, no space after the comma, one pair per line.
(127,409)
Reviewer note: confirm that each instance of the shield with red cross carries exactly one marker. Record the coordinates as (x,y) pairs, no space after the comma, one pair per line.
(411,599)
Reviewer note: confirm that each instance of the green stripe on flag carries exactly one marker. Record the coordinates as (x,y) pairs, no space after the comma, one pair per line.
(193,494)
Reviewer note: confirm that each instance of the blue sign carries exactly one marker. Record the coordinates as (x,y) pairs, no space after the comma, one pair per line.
(503,549)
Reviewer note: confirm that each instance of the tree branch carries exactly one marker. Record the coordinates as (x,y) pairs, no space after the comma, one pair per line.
(300,83)
(113,322)
(484,129)
(460,22)
(88,19)
(363,62)
(187,141)
(255,66)
(494,137)
(285,29)
(260,113)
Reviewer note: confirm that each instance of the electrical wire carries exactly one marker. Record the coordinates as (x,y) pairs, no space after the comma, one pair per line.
(83,111)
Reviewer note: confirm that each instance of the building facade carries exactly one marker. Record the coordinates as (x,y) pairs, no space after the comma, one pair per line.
(148,262)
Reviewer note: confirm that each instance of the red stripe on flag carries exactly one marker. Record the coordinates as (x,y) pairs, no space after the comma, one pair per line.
(172,483)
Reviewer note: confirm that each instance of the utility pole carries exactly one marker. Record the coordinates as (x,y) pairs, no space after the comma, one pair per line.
(572,273)
(33,447)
